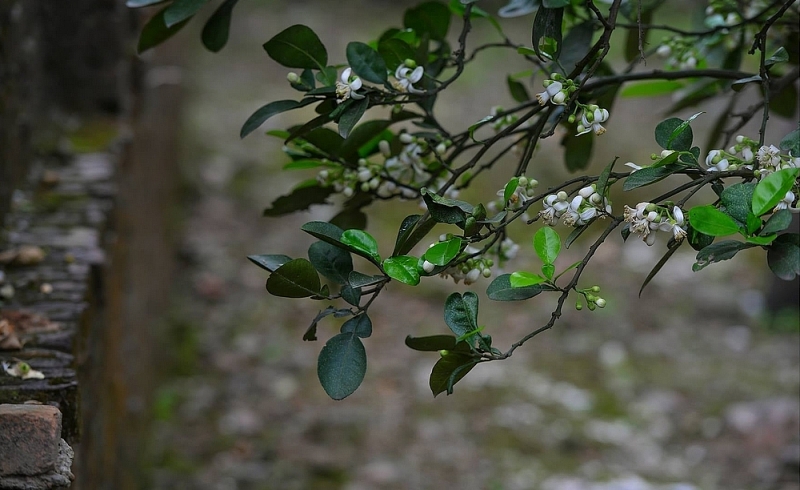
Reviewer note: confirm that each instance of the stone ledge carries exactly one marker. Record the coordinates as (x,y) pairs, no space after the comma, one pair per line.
(29,438)
(60,478)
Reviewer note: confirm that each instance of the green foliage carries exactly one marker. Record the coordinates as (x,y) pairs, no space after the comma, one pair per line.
(772,189)
(342,365)
(297,47)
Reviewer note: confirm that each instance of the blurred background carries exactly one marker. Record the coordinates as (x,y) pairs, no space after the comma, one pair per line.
(692,386)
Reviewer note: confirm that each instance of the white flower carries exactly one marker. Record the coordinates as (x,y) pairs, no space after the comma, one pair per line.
(590,121)
(633,166)
(786,203)
(549,92)
(472,276)
(664,50)
(716,162)
(768,156)
(347,85)
(572,216)
(747,154)
(406,78)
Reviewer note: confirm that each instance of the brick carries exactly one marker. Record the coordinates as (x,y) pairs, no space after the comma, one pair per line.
(29,439)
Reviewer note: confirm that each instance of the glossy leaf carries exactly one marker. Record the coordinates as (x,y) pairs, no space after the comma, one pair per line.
(791,142)
(342,365)
(362,241)
(360,325)
(431,343)
(511,186)
(215,32)
(449,370)
(155,32)
(712,221)
(547,244)
(299,200)
(547,24)
(777,222)
(260,116)
(443,252)
(331,261)
(349,218)
(518,91)
(501,290)
(574,234)
(366,62)
(772,189)
(717,252)
(739,84)
(522,279)
(359,280)
(554,4)
(445,210)
(783,256)
(181,10)
(672,134)
(602,179)
(394,52)
(351,115)
(412,231)
(461,313)
(294,279)
(431,18)
(402,268)
(780,56)
(297,46)
(648,175)
(269,262)
(737,200)
(360,136)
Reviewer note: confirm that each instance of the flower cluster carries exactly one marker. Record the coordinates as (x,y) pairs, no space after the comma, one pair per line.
(469,270)
(592,300)
(578,211)
(591,118)
(407,74)
(557,90)
(648,218)
(347,85)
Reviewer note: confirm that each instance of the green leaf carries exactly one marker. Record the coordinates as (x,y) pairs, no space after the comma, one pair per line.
(294,279)
(547,244)
(777,222)
(366,62)
(667,138)
(697,240)
(402,268)
(215,32)
(449,370)
(648,175)
(331,261)
(412,231)
(351,295)
(135,4)
(300,199)
(443,252)
(548,270)
(772,189)
(326,140)
(351,114)
(717,252)
(360,136)
(752,224)
(361,241)
(737,200)
(269,262)
(547,24)
(260,116)
(181,10)
(577,151)
(432,343)
(311,332)
(780,56)
(394,52)
(783,256)
(522,279)
(327,77)
(431,18)
(342,365)
(602,179)
(574,234)
(501,290)
(511,186)
(791,143)
(739,84)
(360,325)
(155,32)
(359,280)
(445,210)
(349,218)
(651,88)
(518,91)
(461,313)
(712,221)
(761,240)
(297,46)
(784,103)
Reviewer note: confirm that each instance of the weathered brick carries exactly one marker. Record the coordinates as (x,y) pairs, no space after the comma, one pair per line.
(29,438)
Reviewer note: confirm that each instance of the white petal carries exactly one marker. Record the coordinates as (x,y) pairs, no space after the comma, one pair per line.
(678,214)
(554,88)
(416,75)
(576,203)
(346,75)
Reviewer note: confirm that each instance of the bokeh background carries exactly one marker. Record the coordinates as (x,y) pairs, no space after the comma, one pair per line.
(692,386)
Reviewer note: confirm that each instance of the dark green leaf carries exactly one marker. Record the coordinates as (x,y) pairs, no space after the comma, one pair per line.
(777,222)
(359,280)
(443,252)
(294,279)
(625,232)
(737,200)
(311,331)
(780,56)
(350,218)
(445,210)
(547,244)
(783,256)
(740,83)
(269,110)
(269,262)
(402,268)
(547,24)
(712,221)
(669,139)
(784,103)
(697,240)
(717,252)
(501,290)
(360,325)
(574,234)
(181,10)
(431,18)
(351,295)
(431,343)
(575,46)
(326,140)
(215,32)
(461,313)
(135,4)
(394,52)
(674,245)
(155,32)
(331,261)
(791,143)
(299,200)
(297,46)
(602,179)
(360,136)
(649,175)
(366,62)
(361,241)
(411,234)
(350,116)
(577,151)
(449,370)
(327,77)
(342,365)
(517,90)
(772,189)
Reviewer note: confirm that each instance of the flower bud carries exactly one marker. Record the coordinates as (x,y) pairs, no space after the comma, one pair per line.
(441,148)
(428,267)
(522,181)
(443,352)
(595,289)
(562,196)
(579,306)
(410,63)
(487,273)
(293,77)
(365,187)
(406,138)
(571,119)
(600,302)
